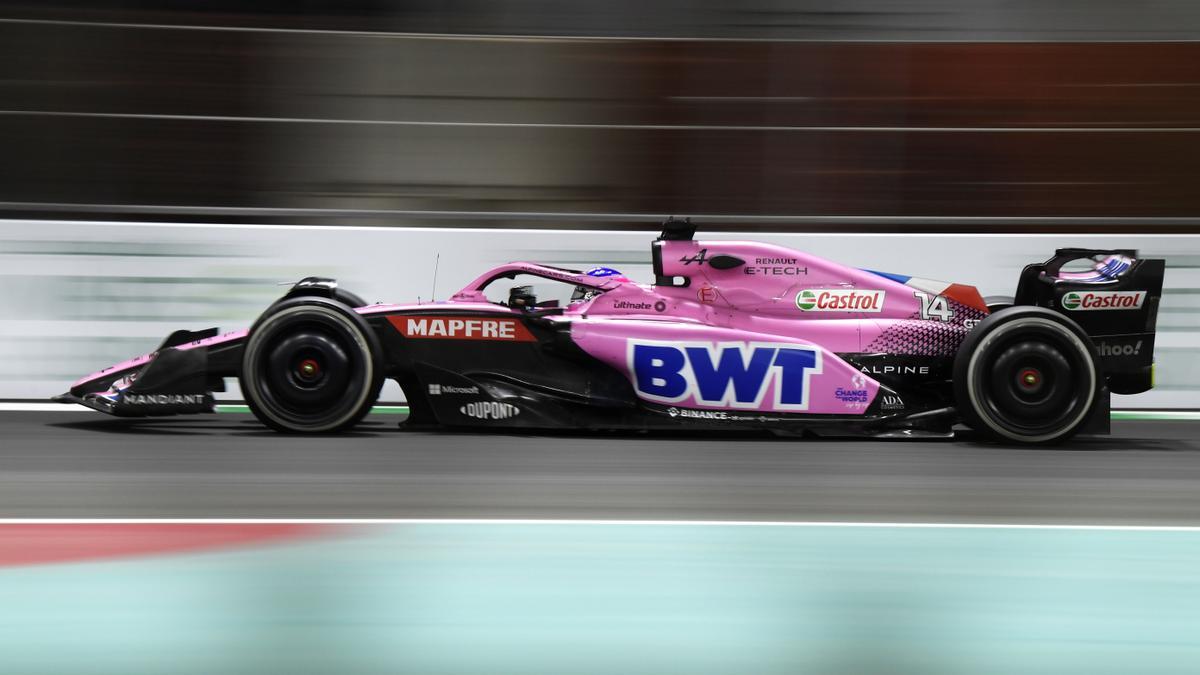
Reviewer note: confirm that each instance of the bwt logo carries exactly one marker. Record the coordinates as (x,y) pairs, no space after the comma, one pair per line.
(729,374)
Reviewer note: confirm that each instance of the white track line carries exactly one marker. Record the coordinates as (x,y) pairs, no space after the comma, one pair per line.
(604,127)
(17,222)
(526,37)
(586,522)
(576,216)
(42,407)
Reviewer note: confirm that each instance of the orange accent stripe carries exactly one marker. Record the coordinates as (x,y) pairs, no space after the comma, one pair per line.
(965,295)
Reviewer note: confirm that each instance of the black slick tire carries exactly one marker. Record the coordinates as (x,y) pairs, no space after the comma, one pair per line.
(1027,375)
(310,365)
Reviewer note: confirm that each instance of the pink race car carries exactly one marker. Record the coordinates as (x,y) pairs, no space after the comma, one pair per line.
(732,335)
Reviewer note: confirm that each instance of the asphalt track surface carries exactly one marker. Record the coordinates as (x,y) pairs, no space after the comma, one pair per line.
(83,465)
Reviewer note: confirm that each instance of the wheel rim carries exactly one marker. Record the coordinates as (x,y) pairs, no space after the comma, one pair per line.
(1035,380)
(308,371)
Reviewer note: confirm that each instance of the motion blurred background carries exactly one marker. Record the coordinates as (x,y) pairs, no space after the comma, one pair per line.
(166,163)
(982,120)
(951,108)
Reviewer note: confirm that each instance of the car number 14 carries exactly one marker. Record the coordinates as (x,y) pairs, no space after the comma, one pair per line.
(934,307)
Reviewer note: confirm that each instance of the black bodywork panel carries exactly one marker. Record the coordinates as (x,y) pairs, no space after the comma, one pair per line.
(1124,338)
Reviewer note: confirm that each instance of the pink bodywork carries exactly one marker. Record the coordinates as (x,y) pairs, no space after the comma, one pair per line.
(770,297)
(755,304)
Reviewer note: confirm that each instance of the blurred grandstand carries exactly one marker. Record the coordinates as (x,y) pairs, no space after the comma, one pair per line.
(772,114)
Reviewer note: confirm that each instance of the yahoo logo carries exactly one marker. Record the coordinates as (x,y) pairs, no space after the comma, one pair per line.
(727,374)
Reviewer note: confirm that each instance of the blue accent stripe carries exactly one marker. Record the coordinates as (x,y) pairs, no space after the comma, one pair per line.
(1108,271)
(902,278)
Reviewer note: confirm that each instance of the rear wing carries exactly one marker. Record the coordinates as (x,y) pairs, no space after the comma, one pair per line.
(1115,302)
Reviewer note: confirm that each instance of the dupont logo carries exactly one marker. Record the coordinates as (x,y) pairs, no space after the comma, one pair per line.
(1109,349)
(461,328)
(840,300)
(1097,300)
(490,410)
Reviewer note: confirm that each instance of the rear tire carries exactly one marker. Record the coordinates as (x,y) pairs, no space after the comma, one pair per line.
(311,365)
(995,303)
(1027,374)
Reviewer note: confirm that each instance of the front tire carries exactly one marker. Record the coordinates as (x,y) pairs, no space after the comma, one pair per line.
(1027,374)
(348,299)
(310,365)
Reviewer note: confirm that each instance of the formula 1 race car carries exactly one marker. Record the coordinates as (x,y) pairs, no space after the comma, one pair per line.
(732,335)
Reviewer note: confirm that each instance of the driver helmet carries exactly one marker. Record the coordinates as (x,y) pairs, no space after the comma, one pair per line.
(607,273)
(583,293)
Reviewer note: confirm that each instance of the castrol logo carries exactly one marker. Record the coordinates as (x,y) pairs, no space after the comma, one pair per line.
(840,300)
(461,328)
(1095,300)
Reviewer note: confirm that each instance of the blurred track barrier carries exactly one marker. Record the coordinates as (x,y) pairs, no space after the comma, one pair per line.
(132,114)
(79,296)
(565,599)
